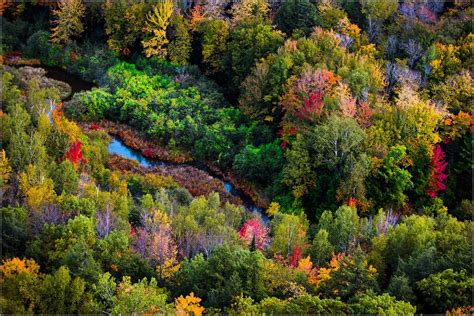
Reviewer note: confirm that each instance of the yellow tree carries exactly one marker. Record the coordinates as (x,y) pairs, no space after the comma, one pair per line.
(5,168)
(67,21)
(189,304)
(156,23)
(15,266)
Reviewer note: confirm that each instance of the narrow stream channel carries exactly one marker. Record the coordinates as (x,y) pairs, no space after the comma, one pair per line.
(117,147)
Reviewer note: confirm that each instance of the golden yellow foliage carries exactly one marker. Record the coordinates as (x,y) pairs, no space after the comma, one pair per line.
(5,168)
(169,268)
(324,274)
(14,266)
(188,304)
(36,187)
(156,23)
(118,185)
(64,125)
(273,209)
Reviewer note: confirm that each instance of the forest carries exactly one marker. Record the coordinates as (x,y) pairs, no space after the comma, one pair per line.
(236,157)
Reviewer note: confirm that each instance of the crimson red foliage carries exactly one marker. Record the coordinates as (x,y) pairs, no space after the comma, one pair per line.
(255,228)
(312,106)
(95,126)
(74,154)
(296,256)
(437,172)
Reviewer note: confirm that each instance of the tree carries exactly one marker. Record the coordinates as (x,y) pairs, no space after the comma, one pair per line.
(254,232)
(74,154)
(261,164)
(64,177)
(179,47)
(391,180)
(61,294)
(140,297)
(376,12)
(438,172)
(214,34)
(104,292)
(228,272)
(333,148)
(342,227)
(321,249)
(15,230)
(204,225)
(384,304)
(156,23)
(5,168)
(296,15)
(304,100)
(124,21)
(247,9)
(288,231)
(250,41)
(68,22)
(188,304)
(399,286)
(412,237)
(353,277)
(19,281)
(446,290)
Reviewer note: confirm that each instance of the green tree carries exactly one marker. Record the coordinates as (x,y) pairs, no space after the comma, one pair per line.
(296,15)
(446,290)
(321,250)
(353,277)
(288,231)
(399,286)
(140,297)
(179,47)
(15,230)
(225,274)
(330,151)
(413,236)
(261,164)
(65,177)
(343,227)
(376,12)
(104,292)
(67,21)
(214,35)
(384,304)
(250,41)
(391,181)
(61,294)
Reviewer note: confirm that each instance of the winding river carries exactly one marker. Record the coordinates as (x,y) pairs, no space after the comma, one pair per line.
(117,147)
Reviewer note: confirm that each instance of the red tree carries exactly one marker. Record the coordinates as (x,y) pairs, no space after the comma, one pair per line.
(313,106)
(255,228)
(437,172)
(296,256)
(74,154)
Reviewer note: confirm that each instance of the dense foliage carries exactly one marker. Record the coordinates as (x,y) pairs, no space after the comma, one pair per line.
(350,122)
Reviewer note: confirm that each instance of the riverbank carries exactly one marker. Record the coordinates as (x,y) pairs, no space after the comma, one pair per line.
(196,181)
